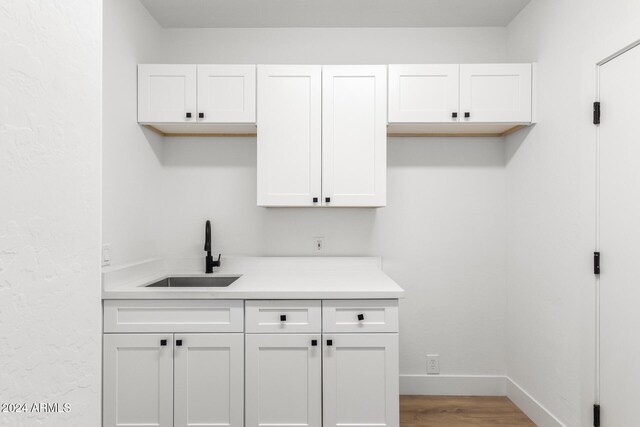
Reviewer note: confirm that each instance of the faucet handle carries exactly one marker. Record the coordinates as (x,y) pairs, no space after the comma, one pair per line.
(217,263)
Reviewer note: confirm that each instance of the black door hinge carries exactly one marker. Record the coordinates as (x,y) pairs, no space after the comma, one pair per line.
(596,415)
(596,113)
(596,263)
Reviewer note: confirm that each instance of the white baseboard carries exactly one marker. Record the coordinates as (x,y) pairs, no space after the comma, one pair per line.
(453,385)
(479,385)
(531,407)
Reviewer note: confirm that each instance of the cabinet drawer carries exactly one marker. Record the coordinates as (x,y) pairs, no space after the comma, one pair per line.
(173,316)
(360,316)
(283,316)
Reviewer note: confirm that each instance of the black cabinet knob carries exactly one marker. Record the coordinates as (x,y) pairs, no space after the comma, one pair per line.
(467,114)
(454,115)
(283,317)
(201,115)
(314,343)
(179,343)
(315,200)
(360,317)
(163,342)
(329,343)
(188,115)
(327,199)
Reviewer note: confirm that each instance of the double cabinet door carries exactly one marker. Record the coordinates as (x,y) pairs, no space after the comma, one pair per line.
(322,135)
(173,380)
(188,93)
(465,93)
(298,376)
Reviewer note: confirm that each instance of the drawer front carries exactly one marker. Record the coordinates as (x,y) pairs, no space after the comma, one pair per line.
(360,316)
(283,316)
(173,316)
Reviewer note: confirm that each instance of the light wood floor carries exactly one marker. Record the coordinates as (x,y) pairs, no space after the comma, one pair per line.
(454,411)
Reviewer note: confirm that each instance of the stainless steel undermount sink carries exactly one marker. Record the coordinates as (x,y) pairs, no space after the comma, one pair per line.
(194,282)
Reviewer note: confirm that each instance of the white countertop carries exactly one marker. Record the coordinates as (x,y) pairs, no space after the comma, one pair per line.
(260,278)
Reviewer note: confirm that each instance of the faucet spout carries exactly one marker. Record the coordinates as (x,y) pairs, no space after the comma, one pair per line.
(207,237)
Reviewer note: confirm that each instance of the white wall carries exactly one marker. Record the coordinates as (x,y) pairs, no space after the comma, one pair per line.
(551,204)
(441,236)
(131,154)
(50,209)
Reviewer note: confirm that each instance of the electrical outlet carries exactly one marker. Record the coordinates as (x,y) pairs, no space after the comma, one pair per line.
(433,364)
(106,255)
(318,244)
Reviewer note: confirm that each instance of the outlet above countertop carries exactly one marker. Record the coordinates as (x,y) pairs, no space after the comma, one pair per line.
(260,278)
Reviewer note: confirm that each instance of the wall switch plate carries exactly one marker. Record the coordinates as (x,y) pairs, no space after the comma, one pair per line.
(433,364)
(106,255)
(318,244)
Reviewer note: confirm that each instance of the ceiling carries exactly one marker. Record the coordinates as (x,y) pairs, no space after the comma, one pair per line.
(332,13)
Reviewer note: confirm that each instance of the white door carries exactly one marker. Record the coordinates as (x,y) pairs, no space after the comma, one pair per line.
(137,380)
(289,135)
(424,93)
(226,94)
(283,380)
(495,93)
(354,135)
(209,380)
(167,93)
(620,240)
(360,380)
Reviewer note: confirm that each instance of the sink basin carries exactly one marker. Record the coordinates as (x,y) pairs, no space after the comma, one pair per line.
(195,282)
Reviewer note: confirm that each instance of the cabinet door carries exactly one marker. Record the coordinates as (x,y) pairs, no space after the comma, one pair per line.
(283,380)
(424,93)
(137,380)
(226,93)
(495,93)
(289,135)
(209,380)
(166,93)
(361,380)
(354,135)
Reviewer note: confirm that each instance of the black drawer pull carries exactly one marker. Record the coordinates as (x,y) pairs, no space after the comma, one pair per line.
(201,115)
(163,342)
(314,343)
(329,343)
(188,115)
(360,317)
(467,115)
(283,317)
(315,200)
(454,115)
(179,343)
(327,199)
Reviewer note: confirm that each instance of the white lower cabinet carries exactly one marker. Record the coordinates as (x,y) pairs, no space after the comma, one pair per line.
(304,363)
(138,380)
(283,380)
(360,380)
(173,380)
(208,380)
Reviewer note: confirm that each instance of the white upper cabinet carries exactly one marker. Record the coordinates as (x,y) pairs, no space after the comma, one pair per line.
(167,93)
(289,136)
(495,93)
(354,136)
(466,99)
(197,99)
(424,93)
(227,93)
